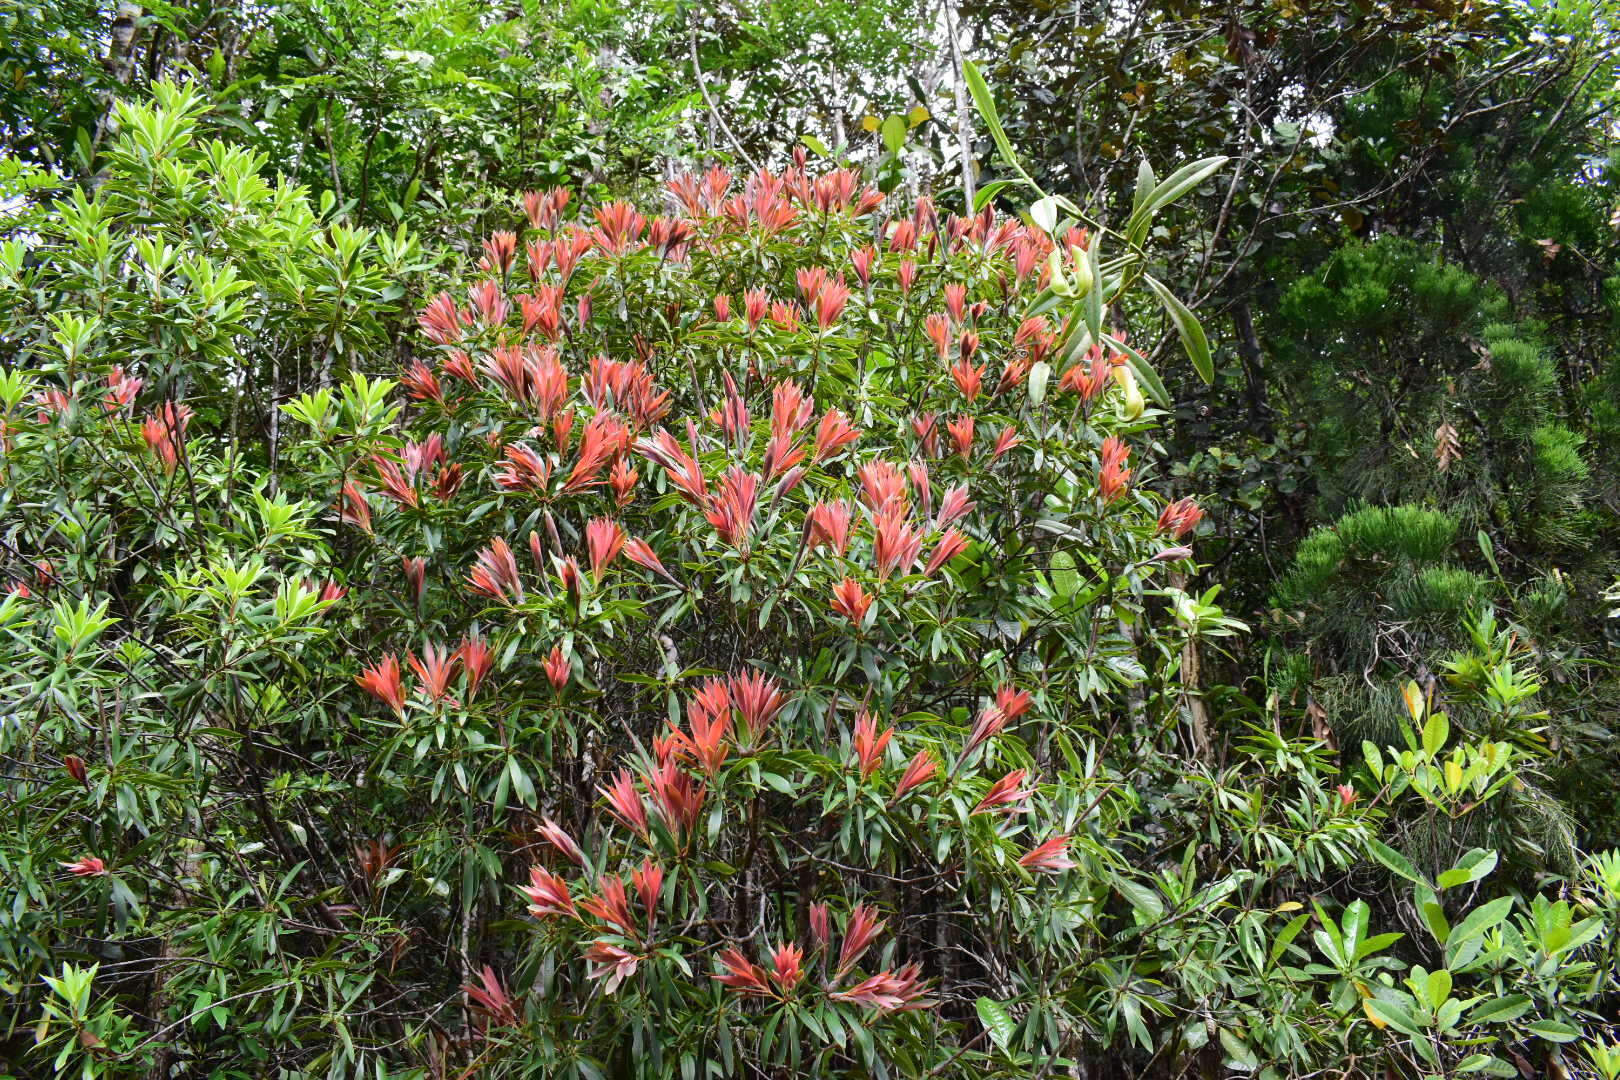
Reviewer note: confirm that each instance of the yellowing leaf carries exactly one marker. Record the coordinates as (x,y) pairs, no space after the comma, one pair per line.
(870,123)
(917,115)
(1414,700)
(1291,905)
(1366,1007)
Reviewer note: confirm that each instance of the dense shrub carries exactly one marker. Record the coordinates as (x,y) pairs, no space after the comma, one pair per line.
(737,640)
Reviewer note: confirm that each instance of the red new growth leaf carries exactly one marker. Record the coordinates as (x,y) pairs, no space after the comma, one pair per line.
(612,906)
(1180,518)
(548,895)
(863,926)
(88,866)
(919,771)
(742,974)
(382,681)
(1004,795)
(869,743)
(557,837)
(851,601)
(605,539)
(1049,857)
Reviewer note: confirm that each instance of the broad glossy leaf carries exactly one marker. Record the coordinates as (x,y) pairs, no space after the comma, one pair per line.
(993,1015)
(1141,897)
(1470,868)
(1499,1010)
(1479,920)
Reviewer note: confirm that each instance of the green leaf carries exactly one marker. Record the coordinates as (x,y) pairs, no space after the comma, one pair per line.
(1470,868)
(1065,578)
(1145,183)
(1396,1016)
(1039,375)
(1354,921)
(1373,758)
(1376,943)
(1433,914)
(894,133)
(1435,733)
(1238,1051)
(1479,920)
(1500,1010)
(1046,300)
(1579,935)
(816,145)
(1555,1031)
(1182,181)
(1288,934)
(993,1015)
(1193,341)
(1044,212)
(986,105)
(1094,297)
(1394,861)
(1148,202)
(1141,897)
(995,187)
(1438,988)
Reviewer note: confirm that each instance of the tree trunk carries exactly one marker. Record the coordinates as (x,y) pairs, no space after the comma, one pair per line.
(1254,375)
(964,112)
(120,63)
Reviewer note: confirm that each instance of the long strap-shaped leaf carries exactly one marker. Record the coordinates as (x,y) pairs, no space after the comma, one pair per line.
(1188,328)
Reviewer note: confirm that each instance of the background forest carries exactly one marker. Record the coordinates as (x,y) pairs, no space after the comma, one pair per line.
(994,539)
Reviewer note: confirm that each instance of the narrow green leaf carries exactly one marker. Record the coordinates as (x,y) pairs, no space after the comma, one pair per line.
(1193,341)
(1182,181)
(1288,934)
(1094,297)
(989,191)
(1145,183)
(985,103)
(1394,861)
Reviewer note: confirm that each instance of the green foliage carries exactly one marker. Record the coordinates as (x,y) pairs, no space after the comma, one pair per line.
(189,266)
(1378,555)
